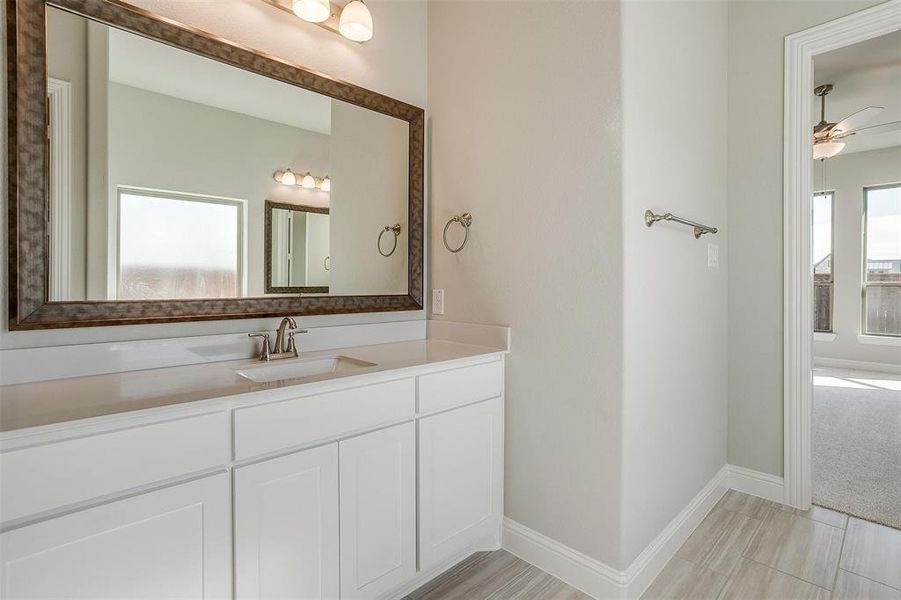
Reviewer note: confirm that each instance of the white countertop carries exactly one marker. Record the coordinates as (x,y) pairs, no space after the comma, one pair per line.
(51,402)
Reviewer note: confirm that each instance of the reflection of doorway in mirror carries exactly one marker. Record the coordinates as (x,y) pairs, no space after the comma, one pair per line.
(59,95)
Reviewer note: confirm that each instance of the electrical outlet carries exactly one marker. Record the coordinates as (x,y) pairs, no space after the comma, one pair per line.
(713,255)
(437,302)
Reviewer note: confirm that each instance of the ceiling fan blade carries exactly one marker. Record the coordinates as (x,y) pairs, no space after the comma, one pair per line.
(883,128)
(858,119)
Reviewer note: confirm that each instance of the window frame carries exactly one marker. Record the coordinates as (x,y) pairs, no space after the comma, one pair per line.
(831,281)
(863,275)
(240,204)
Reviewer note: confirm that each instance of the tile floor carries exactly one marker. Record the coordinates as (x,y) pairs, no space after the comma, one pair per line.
(747,548)
(751,548)
(497,576)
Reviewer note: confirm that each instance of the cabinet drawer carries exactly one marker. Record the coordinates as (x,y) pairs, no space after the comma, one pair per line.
(447,389)
(46,477)
(272,427)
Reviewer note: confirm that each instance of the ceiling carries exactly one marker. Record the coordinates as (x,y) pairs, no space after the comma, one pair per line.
(864,74)
(152,66)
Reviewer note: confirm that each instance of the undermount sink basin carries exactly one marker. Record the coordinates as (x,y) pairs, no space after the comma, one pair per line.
(297,368)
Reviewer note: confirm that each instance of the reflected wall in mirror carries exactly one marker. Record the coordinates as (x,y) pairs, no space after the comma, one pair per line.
(162,162)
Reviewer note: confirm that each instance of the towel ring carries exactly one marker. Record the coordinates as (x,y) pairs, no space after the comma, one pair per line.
(465,220)
(396,231)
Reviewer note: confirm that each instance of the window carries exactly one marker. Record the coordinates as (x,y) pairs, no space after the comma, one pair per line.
(882,261)
(174,246)
(822,261)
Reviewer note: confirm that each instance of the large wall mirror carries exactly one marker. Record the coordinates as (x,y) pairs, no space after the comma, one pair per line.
(184,177)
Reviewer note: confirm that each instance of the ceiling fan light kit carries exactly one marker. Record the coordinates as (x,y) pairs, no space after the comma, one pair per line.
(827,136)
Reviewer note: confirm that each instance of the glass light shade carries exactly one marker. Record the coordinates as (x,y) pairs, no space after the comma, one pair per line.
(314,11)
(288,178)
(308,182)
(826,149)
(356,22)
(326,184)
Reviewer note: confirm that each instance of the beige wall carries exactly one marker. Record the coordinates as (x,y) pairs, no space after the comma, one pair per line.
(392,63)
(674,341)
(847,175)
(525,135)
(757,31)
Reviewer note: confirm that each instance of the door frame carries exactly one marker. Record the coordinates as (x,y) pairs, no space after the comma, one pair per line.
(800,48)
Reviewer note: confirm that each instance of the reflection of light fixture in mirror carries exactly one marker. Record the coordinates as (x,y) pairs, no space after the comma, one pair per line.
(314,11)
(826,149)
(356,22)
(307,181)
(286,177)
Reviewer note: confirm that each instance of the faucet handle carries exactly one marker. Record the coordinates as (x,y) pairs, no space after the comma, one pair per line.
(265,349)
(292,346)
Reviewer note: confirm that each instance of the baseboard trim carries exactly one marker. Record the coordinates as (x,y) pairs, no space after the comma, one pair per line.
(842,363)
(755,483)
(602,581)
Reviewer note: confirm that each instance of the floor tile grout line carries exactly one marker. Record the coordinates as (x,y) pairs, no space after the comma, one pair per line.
(790,575)
(869,579)
(841,550)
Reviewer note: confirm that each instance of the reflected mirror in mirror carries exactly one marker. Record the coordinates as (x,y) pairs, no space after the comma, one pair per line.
(297,244)
(163,164)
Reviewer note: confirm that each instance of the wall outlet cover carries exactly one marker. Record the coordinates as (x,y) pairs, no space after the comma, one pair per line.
(713,255)
(437,302)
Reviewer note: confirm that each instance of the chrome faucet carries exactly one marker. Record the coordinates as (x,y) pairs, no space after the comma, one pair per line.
(281,349)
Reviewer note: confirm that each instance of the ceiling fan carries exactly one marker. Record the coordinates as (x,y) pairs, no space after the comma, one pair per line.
(827,136)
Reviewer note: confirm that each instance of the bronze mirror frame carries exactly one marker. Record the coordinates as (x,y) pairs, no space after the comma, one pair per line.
(28,162)
(267,249)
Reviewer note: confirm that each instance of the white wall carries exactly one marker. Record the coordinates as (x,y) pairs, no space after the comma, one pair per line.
(674,305)
(847,175)
(757,33)
(392,63)
(525,135)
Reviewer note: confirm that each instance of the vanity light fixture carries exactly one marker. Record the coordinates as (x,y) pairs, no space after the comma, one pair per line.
(314,11)
(350,19)
(356,22)
(307,181)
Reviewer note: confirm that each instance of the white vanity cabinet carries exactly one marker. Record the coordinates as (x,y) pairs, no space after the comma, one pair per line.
(378,512)
(461,462)
(286,526)
(357,490)
(174,542)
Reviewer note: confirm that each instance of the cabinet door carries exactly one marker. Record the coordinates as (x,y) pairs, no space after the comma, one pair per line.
(461,462)
(170,543)
(378,518)
(286,526)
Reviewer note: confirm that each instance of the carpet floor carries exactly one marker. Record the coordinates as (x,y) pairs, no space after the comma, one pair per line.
(856,444)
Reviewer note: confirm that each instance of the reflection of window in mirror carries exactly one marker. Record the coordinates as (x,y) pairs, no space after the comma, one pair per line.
(822,235)
(179,246)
